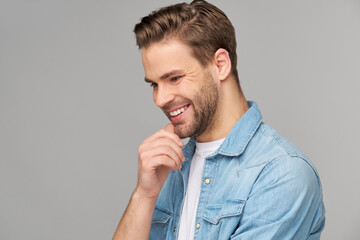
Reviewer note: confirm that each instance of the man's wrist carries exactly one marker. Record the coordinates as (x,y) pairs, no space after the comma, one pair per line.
(139,195)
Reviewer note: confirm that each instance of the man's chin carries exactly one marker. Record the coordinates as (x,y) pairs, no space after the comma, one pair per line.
(182,131)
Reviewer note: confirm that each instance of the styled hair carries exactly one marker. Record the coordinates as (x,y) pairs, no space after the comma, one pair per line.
(200,25)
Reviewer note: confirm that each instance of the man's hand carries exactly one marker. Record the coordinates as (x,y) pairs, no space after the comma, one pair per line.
(157,155)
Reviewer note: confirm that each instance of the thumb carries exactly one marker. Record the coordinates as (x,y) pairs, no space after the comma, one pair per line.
(170,128)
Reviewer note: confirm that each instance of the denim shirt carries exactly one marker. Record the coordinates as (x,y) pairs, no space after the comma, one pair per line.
(256,185)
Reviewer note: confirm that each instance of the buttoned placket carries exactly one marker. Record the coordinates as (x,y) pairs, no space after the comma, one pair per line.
(206,186)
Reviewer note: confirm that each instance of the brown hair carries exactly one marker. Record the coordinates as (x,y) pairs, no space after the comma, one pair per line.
(201,25)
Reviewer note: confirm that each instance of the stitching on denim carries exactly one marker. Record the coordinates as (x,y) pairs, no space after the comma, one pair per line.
(168,214)
(213,179)
(251,134)
(276,140)
(312,167)
(267,166)
(239,203)
(164,210)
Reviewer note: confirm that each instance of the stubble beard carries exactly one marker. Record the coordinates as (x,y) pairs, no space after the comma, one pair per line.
(204,105)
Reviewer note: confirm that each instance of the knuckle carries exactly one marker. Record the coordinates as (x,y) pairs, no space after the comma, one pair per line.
(145,165)
(168,148)
(163,149)
(142,155)
(142,164)
(141,148)
(146,162)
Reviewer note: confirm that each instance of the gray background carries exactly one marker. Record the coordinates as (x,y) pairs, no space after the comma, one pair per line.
(74,107)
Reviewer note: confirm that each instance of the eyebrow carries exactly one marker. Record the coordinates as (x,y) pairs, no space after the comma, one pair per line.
(166,75)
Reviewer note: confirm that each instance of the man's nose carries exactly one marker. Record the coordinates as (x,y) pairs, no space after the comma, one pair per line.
(163,96)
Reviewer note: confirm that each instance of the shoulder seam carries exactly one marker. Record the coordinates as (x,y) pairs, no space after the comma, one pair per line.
(291,157)
(276,141)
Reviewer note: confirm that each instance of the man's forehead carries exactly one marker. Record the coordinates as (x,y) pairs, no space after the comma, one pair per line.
(163,57)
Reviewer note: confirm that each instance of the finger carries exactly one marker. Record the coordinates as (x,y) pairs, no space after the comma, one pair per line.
(163,150)
(164,143)
(158,161)
(170,127)
(164,160)
(153,149)
(164,133)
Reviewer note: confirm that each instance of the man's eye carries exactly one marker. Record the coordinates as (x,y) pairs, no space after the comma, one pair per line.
(153,85)
(174,79)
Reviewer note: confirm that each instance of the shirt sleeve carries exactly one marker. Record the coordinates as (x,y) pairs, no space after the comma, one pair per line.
(285,203)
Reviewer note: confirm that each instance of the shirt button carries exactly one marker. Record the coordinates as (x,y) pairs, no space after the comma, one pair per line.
(207,181)
(174,229)
(198,225)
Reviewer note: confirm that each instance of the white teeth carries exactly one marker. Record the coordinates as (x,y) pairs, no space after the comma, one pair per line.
(177,112)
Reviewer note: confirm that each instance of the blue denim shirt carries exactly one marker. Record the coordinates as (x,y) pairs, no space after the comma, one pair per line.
(261,187)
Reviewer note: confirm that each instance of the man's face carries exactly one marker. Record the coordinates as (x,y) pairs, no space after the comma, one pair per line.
(182,87)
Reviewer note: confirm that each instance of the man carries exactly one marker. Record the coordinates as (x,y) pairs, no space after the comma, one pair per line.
(236,178)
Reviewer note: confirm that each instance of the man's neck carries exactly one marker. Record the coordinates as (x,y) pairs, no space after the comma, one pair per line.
(232,106)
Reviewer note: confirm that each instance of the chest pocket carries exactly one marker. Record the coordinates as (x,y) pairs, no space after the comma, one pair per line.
(221,220)
(160,224)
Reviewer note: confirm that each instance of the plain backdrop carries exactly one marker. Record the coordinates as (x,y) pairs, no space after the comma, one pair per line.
(74,106)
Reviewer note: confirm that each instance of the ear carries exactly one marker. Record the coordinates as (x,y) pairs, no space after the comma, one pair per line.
(223,63)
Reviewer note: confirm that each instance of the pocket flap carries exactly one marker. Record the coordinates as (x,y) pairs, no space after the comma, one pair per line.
(161,215)
(213,213)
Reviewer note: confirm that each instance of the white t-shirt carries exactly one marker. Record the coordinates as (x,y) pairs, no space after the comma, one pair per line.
(188,213)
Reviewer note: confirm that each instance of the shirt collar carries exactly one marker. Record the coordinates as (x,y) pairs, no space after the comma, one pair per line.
(239,136)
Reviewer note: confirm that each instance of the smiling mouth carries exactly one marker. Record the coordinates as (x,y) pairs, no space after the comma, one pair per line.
(178,111)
